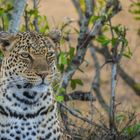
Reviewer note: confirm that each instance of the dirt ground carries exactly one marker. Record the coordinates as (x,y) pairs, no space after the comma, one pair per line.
(58,10)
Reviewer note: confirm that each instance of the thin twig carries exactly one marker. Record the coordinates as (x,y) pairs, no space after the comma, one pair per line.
(74,113)
(96,81)
(113,84)
(3,24)
(35,21)
(26,19)
(79,95)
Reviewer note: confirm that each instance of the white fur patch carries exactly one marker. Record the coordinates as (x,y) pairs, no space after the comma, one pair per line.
(40,88)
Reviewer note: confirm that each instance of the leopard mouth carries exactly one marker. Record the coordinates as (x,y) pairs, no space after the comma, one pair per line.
(39,83)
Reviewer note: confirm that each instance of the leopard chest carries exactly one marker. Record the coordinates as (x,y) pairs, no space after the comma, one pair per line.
(45,128)
(28,115)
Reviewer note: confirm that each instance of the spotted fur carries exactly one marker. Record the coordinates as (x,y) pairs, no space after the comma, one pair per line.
(28,110)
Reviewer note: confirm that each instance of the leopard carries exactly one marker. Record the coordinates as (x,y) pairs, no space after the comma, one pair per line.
(28,108)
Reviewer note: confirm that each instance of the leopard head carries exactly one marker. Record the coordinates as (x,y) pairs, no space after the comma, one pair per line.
(29,59)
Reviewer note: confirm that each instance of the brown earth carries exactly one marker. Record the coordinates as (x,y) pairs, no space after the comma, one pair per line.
(58,10)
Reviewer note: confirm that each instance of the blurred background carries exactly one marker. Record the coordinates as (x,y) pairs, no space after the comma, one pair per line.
(58,10)
(92,76)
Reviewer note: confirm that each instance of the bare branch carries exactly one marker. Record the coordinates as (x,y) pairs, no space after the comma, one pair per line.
(35,21)
(89,8)
(79,95)
(74,113)
(16,16)
(85,38)
(26,19)
(96,80)
(113,83)
(112,97)
(130,81)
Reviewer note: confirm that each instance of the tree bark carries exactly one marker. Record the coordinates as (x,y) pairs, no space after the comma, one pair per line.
(19,6)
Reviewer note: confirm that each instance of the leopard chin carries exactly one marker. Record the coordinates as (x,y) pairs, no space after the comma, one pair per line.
(40,88)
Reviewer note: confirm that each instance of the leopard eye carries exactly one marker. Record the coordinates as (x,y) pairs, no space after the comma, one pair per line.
(50,54)
(25,55)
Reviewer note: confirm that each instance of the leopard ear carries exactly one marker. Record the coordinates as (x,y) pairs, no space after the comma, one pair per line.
(6,40)
(55,35)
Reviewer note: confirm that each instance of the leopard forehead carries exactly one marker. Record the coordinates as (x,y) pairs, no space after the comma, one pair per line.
(33,42)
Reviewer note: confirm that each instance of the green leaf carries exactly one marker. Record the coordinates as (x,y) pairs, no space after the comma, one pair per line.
(61,90)
(137,86)
(73,85)
(75,82)
(125,42)
(9,7)
(79,81)
(44,25)
(93,19)
(119,118)
(59,98)
(33,12)
(82,4)
(128,54)
(62,59)
(136,128)
(71,52)
(105,28)
(1,12)
(137,18)
(1,54)
(103,40)
(114,41)
(132,130)
(59,95)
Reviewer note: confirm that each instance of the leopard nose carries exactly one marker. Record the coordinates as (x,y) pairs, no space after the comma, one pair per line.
(42,75)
